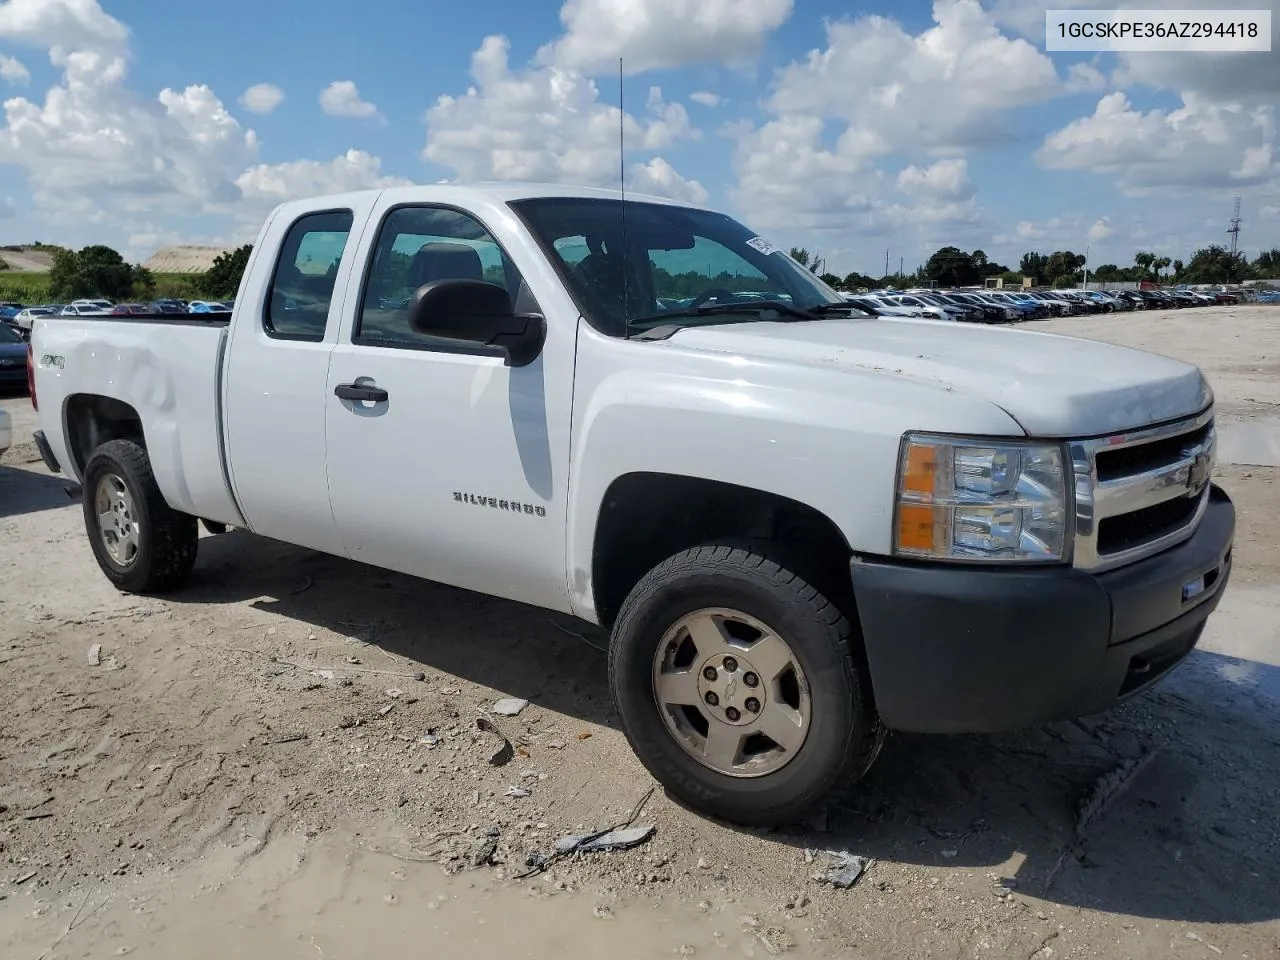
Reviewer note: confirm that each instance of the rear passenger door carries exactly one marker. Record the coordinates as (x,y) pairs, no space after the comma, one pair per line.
(277,368)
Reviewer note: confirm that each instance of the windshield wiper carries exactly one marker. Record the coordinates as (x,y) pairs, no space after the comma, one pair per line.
(665,327)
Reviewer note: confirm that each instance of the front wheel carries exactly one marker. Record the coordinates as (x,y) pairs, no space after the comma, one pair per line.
(141,543)
(742,688)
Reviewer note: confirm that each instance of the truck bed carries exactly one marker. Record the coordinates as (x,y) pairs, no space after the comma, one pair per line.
(164,368)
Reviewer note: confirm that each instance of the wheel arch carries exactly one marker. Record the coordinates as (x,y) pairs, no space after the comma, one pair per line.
(646,517)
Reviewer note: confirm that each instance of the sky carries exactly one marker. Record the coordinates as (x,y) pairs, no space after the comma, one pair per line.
(851,130)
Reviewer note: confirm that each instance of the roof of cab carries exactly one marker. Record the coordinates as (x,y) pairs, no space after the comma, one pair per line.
(503,191)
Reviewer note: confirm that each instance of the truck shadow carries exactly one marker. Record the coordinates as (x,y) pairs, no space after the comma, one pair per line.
(26,491)
(1190,838)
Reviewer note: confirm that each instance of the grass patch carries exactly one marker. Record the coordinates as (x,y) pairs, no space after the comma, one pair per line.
(33,288)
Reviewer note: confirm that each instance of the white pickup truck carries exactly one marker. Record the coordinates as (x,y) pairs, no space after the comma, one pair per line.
(802,525)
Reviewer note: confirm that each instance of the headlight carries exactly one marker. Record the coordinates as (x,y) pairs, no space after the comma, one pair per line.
(976,500)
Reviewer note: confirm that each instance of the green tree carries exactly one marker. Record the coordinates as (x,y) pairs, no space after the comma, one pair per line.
(855,281)
(222,280)
(1267,265)
(1161,264)
(1213,264)
(1177,268)
(1064,263)
(952,267)
(812,262)
(94,271)
(1144,260)
(830,279)
(1034,265)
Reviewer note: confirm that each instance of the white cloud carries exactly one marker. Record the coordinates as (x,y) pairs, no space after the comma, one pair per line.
(1202,144)
(945,180)
(1085,78)
(1100,230)
(342,99)
(93,144)
(706,98)
(14,71)
(659,177)
(948,87)
(262,98)
(877,90)
(104,163)
(658,34)
(265,185)
(62,25)
(546,123)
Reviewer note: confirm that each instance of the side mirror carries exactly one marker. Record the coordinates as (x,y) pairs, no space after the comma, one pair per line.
(475,311)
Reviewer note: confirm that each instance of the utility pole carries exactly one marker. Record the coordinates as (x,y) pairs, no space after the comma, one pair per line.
(1234,232)
(1086,267)
(886,261)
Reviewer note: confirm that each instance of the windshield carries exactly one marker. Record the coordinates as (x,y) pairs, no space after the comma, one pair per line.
(9,336)
(677,260)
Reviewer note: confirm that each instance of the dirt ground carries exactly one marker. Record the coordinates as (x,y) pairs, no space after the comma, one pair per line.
(282,761)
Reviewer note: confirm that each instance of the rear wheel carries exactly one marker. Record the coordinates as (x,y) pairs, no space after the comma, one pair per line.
(141,543)
(741,686)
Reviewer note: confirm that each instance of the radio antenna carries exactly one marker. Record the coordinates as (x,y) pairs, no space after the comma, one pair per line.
(622,183)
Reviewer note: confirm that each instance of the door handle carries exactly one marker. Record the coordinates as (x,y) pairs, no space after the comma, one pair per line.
(352,391)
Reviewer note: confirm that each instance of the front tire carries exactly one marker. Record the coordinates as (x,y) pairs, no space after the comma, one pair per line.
(141,543)
(742,688)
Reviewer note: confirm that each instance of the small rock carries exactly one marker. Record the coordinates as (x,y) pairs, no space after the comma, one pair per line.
(703,865)
(556,745)
(95,655)
(603,913)
(511,707)
(395,694)
(387,709)
(391,898)
(420,677)
(517,792)
(326,675)
(1125,744)
(1003,892)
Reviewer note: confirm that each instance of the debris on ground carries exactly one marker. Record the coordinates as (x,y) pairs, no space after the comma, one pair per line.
(618,837)
(624,839)
(482,852)
(505,753)
(509,708)
(95,655)
(845,871)
(287,738)
(1108,788)
(387,709)
(430,739)
(518,792)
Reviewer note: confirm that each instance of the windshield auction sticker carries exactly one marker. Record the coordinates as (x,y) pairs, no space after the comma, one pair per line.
(1217,31)
(763,245)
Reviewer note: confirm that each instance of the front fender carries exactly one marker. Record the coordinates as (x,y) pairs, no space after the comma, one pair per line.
(824,437)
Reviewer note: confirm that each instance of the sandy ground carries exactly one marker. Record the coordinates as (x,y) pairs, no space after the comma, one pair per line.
(282,762)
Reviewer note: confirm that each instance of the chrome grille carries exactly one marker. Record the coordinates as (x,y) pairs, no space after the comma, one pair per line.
(1141,492)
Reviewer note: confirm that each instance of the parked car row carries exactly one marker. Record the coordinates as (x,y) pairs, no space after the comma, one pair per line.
(978,305)
(21,318)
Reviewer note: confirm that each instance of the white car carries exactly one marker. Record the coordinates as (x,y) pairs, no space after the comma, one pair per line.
(27,316)
(6,431)
(802,525)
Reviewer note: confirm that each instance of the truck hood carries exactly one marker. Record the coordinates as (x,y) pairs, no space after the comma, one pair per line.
(1054,386)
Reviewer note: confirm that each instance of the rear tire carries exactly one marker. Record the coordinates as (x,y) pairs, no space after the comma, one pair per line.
(141,543)
(761,608)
